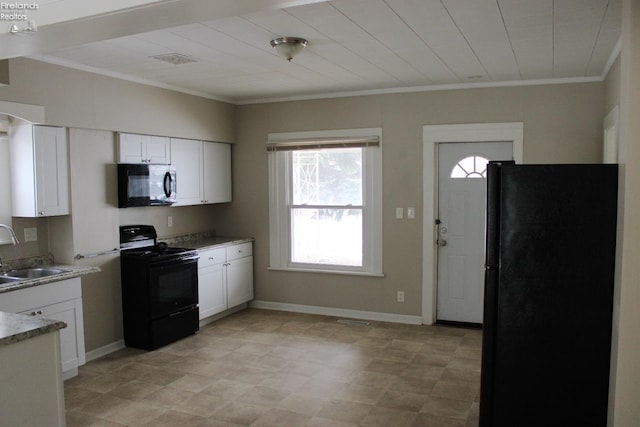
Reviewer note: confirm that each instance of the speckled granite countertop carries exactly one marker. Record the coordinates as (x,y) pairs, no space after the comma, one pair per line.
(212,242)
(69,272)
(206,240)
(18,327)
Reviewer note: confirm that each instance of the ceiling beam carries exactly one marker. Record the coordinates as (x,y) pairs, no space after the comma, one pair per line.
(67,23)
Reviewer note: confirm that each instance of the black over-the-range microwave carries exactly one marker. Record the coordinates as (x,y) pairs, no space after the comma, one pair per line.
(146,185)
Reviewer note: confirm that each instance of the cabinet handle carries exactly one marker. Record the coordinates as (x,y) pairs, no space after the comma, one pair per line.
(37,313)
(210,258)
(40,212)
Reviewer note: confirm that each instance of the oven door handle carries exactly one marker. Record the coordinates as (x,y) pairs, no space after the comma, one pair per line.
(191,259)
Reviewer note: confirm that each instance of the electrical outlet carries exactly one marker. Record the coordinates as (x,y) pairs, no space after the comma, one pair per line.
(30,234)
(399,213)
(400,296)
(169,221)
(411,213)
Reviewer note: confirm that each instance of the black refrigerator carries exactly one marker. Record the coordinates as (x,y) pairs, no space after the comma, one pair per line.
(550,260)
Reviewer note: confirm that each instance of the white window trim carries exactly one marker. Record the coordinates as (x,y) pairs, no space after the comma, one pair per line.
(279,221)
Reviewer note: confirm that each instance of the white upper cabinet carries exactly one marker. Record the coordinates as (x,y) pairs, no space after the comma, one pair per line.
(217,172)
(203,171)
(148,149)
(39,170)
(187,160)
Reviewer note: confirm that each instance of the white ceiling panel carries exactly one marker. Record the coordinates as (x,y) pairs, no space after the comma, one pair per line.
(482,26)
(362,45)
(433,24)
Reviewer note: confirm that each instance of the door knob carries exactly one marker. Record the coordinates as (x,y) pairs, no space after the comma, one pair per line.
(441,242)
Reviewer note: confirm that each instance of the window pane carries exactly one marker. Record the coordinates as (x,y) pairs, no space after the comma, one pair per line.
(326,236)
(327,176)
(470,167)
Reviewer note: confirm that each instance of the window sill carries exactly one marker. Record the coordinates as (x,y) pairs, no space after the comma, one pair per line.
(342,272)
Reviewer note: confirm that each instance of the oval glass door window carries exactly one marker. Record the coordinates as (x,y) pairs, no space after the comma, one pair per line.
(470,167)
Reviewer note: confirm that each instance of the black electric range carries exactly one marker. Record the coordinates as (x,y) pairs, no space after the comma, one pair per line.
(159,289)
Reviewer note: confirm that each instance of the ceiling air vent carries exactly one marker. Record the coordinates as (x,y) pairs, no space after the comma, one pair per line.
(174,58)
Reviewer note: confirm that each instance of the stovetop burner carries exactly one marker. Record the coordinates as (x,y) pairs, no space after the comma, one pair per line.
(157,250)
(139,241)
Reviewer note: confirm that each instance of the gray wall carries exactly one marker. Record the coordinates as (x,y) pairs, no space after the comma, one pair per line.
(85,102)
(562,123)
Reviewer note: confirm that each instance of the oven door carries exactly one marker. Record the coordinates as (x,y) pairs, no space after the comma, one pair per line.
(173,286)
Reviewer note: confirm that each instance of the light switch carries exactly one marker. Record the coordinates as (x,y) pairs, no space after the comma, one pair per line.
(399,213)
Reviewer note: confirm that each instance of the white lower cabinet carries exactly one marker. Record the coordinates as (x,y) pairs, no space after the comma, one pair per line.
(58,301)
(239,280)
(225,278)
(212,289)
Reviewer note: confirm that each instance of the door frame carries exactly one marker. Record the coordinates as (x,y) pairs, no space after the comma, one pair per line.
(432,135)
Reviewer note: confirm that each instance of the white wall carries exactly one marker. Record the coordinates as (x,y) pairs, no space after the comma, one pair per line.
(624,410)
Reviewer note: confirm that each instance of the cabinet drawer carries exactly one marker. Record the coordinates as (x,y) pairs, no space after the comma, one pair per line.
(239,251)
(34,297)
(211,256)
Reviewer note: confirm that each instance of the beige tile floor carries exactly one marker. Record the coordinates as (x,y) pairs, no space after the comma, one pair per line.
(267,368)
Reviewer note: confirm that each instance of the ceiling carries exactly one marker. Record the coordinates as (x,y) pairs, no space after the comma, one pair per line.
(355,46)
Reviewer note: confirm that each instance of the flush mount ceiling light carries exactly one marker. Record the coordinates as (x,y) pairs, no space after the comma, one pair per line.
(288,47)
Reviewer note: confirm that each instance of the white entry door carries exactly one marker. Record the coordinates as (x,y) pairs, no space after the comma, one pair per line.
(461,227)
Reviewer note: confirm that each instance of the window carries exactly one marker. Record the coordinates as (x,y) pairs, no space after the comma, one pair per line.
(470,167)
(325,204)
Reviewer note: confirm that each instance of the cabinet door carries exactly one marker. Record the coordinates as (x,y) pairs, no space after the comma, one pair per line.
(187,160)
(212,291)
(217,172)
(71,351)
(239,281)
(132,148)
(52,171)
(60,301)
(158,150)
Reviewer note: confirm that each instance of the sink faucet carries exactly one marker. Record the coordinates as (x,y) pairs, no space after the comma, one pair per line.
(14,240)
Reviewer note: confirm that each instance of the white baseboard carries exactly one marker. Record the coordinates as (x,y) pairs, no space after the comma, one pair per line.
(295,308)
(104,350)
(338,312)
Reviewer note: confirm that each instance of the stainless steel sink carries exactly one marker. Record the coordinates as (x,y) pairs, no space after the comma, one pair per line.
(32,273)
(8,280)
